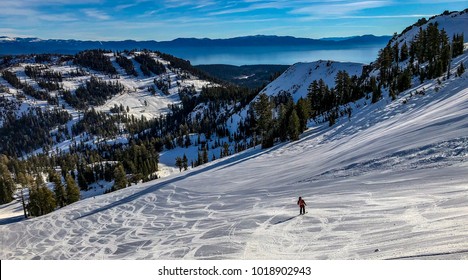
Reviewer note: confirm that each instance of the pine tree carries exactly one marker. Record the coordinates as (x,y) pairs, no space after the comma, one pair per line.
(283,122)
(226,149)
(199,159)
(385,60)
(404,52)
(461,69)
(73,191)
(24,181)
(7,186)
(457,44)
(185,162)
(396,53)
(59,190)
(205,155)
(303,112)
(120,177)
(312,96)
(179,163)
(41,199)
(332,117)
(264,115)
(404,80)
(187,141)
(376,90)
(294,126)
(342,88)
(444,52)
(392,94)
(82,182)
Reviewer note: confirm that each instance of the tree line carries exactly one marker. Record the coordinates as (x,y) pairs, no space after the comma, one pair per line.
(13,80)
(30,131)
(428,56)
(149,65)
(95,92)
(96,60)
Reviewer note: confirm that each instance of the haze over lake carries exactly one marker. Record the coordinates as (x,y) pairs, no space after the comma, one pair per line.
(273,55)
(247,50)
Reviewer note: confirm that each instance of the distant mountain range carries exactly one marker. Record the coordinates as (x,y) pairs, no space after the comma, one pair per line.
(16,46)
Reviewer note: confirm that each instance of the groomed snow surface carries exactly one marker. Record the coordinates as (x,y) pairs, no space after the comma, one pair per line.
(392,182)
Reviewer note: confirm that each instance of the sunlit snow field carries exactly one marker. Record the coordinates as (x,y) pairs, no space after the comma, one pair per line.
(391,182)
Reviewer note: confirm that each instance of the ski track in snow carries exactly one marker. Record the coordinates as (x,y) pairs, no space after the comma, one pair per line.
(390,183)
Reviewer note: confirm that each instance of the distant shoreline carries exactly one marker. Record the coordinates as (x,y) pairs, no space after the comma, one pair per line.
(250,50)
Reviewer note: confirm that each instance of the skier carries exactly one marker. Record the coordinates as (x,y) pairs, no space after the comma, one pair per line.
(302,205)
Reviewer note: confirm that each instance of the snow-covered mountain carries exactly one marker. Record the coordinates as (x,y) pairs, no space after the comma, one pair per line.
(136,94)
(16,45)
(297,79)
(143,95)
(453,23)
(389,183)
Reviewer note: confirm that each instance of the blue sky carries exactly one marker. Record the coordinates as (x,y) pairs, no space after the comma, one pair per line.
(170,19)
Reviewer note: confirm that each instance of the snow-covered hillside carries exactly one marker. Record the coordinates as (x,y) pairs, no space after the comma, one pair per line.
(298,77)
(453,23)
(389,183)
(136,95)
(143,96)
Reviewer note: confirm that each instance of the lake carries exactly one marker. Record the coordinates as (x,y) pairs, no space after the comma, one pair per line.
(273,55)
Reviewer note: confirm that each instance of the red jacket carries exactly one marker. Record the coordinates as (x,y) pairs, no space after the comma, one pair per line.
(301,203)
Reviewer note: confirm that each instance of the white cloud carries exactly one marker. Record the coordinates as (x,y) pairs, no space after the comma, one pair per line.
(339,8)
(233,11)
(179,3)
(426,2)
(131,4)
(61,2)
(96,14)
(11,32)
(386,16)
(124,6)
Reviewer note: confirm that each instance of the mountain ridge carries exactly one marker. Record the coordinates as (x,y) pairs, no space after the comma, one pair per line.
(382,182)
(360,178)
(18,46)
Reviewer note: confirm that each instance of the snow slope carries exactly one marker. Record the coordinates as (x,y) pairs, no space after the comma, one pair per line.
(296,81)
(136,98)
(392,182)
(454,24)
